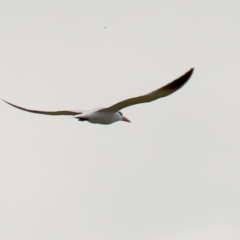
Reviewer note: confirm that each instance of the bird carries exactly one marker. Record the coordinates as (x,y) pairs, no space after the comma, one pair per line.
(112,114)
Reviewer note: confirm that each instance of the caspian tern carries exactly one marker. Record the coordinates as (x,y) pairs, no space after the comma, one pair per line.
(112,114)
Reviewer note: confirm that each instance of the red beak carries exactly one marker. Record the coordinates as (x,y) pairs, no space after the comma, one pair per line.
(125,119)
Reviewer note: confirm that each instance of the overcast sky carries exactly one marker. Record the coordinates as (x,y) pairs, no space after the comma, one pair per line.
(173,173)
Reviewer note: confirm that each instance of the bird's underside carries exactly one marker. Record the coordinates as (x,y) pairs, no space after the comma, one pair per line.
(111,114)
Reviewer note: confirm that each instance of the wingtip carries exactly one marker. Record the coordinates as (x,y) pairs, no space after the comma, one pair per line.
(7,102)
(189,73)
(191,70)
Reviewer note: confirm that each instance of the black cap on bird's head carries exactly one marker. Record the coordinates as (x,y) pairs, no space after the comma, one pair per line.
(123,118)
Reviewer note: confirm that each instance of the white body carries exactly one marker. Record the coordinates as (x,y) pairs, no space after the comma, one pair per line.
(96,116)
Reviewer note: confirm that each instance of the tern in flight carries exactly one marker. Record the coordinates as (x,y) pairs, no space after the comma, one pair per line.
(112,114)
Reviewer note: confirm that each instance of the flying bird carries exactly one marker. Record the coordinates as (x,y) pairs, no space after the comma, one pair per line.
(112,114)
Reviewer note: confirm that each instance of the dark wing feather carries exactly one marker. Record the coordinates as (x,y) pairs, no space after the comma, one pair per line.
(62,112)
(159,93)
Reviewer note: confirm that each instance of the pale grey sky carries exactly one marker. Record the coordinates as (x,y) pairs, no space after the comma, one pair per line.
(173,173)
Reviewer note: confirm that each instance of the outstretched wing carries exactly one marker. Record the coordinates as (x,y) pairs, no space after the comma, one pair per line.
(159,93)
(62,112)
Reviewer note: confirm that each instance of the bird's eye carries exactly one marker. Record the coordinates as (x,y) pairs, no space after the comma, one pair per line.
(120,113)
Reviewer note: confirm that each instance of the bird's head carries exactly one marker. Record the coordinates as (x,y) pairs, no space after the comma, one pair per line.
(122,118)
